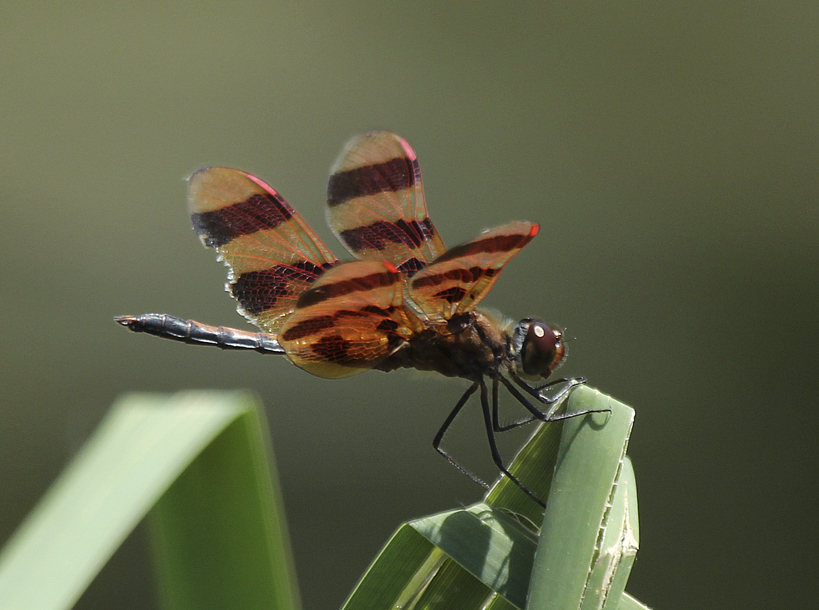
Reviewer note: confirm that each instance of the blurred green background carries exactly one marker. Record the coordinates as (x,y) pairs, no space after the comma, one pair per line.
(669,151)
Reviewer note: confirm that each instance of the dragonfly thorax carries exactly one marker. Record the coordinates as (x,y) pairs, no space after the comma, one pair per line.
(469,346)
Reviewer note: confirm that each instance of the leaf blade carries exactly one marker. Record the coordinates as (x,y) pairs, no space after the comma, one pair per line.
(588,467)
(144,443)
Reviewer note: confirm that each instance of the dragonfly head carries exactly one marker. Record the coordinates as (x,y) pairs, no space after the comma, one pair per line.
(537,348)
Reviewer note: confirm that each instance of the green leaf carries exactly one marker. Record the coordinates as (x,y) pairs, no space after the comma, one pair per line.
(490,555)
(618,546)
(487,543)
(134,460)
(586,479)
(202,461)
(627,602)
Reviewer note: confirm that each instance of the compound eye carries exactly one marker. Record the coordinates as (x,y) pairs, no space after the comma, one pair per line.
(542,349)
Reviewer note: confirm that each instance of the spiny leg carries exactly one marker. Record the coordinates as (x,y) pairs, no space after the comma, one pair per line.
(496,426)
(572,381)
(549,416)
(493,446)
(436,443)
(537,391)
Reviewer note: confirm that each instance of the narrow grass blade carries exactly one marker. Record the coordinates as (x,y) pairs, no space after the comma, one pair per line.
(618,546)
(487,543)
(589,464)
(402,570)
(627,602)
(136,454)
(219,534)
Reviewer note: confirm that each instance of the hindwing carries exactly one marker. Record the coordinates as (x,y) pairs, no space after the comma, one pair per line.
(349,320)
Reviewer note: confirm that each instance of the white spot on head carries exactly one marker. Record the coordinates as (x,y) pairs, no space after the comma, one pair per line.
(539,332)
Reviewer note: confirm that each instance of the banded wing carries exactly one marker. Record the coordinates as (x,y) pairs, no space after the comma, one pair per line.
(460,278)
(376,205)
(350,319)
(272,254)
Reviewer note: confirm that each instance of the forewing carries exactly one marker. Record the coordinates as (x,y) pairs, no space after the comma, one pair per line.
(376,206)
(348,321)
(459,279)
(272,254)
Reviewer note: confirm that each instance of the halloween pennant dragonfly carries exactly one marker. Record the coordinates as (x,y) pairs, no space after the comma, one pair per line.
(406,302)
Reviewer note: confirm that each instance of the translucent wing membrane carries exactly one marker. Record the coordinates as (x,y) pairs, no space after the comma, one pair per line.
(272,254)
(376,206)
(348,321)
(391,308)
(460,278)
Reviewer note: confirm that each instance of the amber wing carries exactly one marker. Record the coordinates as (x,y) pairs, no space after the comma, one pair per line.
(272,254)
(460,278)
(376,206)
(349,320)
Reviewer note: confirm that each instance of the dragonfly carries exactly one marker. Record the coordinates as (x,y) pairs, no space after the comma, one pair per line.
(406,301)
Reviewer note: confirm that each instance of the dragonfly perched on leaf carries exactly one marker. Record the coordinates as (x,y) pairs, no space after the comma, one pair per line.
(406,302)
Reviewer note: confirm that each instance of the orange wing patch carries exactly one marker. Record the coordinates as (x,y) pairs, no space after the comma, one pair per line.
(459,279)
(376,205)
(336,320)
(272,254)
(349,320)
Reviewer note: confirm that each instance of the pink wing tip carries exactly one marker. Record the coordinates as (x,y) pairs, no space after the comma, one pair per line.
(261,183)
